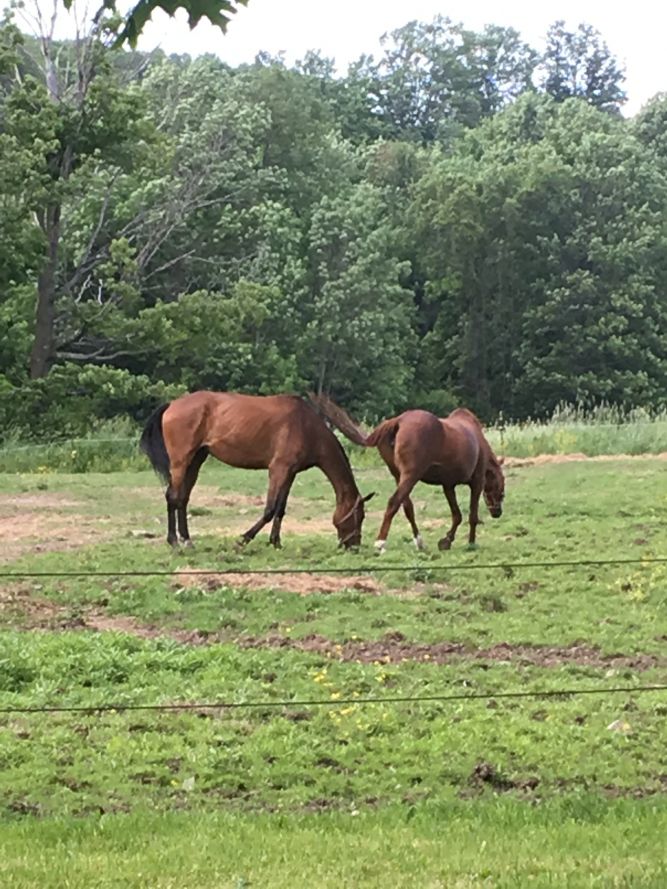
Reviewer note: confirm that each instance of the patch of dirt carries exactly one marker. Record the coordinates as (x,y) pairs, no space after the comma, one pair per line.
(101,622)
(43,500)
(247,508)
(43,614)
(237,525)
(34,612)
(486,775)
(543,459)
(206,495)
(613,791)
(301,584)
(393,648)
(34,522)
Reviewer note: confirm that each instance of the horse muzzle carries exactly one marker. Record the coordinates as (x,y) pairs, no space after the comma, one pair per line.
(496,512)
(352,541)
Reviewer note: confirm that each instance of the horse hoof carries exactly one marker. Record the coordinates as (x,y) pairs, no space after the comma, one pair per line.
(471,547)
(276,544)
(173,543)
(444,544)
(188,544)
(380,546)
(419,543)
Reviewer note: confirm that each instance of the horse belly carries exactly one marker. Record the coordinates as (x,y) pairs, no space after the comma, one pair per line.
(240,455)
(454,472)
(434,475)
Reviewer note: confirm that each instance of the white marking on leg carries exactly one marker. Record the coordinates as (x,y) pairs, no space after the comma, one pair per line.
(419,543)
(380,545)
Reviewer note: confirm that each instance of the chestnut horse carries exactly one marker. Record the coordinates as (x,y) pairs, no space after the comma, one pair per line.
(418,446)
(281,433)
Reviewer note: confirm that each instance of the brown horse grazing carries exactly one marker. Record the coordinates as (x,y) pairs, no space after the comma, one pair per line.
(418,446)
(281,433)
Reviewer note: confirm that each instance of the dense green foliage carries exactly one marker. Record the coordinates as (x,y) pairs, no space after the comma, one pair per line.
(458,220)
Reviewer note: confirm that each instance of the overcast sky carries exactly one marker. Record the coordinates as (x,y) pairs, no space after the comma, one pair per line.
(344,29)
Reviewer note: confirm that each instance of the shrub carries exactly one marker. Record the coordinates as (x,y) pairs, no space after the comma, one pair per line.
(71,401)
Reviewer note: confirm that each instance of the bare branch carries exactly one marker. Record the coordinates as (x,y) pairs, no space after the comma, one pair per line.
(98,357)
(89,260)
(168,265)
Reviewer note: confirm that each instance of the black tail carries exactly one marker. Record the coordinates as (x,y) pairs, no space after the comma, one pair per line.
(152,444)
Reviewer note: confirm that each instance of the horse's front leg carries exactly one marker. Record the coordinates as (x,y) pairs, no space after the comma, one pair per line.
(281,505)
(457,518)
(474,519)
(280,481)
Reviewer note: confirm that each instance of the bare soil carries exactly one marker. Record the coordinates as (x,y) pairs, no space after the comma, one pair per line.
(35,522)
(42,614)
(394,648)
(301,584)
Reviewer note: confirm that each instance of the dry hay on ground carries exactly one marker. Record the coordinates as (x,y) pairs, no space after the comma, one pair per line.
(544,459)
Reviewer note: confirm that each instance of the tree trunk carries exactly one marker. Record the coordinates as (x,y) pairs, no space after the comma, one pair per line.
(43,346)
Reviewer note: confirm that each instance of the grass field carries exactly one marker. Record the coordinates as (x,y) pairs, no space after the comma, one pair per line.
(558,791)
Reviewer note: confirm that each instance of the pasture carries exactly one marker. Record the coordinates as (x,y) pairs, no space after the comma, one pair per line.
(551,791)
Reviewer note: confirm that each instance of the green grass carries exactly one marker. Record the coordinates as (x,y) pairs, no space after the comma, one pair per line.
(497,843)
(495,792)
(596,431)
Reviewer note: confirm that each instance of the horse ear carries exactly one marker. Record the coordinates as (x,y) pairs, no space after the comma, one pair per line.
(368,497)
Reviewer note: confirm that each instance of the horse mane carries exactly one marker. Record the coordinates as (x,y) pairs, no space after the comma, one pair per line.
(339,446)
(338,417)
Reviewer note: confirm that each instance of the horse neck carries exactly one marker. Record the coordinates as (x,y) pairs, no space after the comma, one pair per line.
(335,466)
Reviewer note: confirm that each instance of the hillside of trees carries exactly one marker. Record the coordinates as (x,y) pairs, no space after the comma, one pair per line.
(462,220)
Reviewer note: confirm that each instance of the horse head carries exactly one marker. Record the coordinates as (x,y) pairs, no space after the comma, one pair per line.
(494,487)
(349,524)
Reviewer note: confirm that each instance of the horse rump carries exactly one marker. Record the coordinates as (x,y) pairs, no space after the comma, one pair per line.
(385,433)
(153,446)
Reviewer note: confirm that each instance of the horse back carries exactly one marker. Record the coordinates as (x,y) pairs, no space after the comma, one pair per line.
(242,430)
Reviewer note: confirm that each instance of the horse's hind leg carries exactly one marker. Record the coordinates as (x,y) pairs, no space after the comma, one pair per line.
(396,500)
(409,510)
(188,484)
(457,518)
(182,476)
(173,496)
(280,481)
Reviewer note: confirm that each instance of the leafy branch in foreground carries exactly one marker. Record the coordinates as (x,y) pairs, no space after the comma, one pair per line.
(218,12)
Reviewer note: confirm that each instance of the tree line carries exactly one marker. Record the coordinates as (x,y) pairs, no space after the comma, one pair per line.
(462,220)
